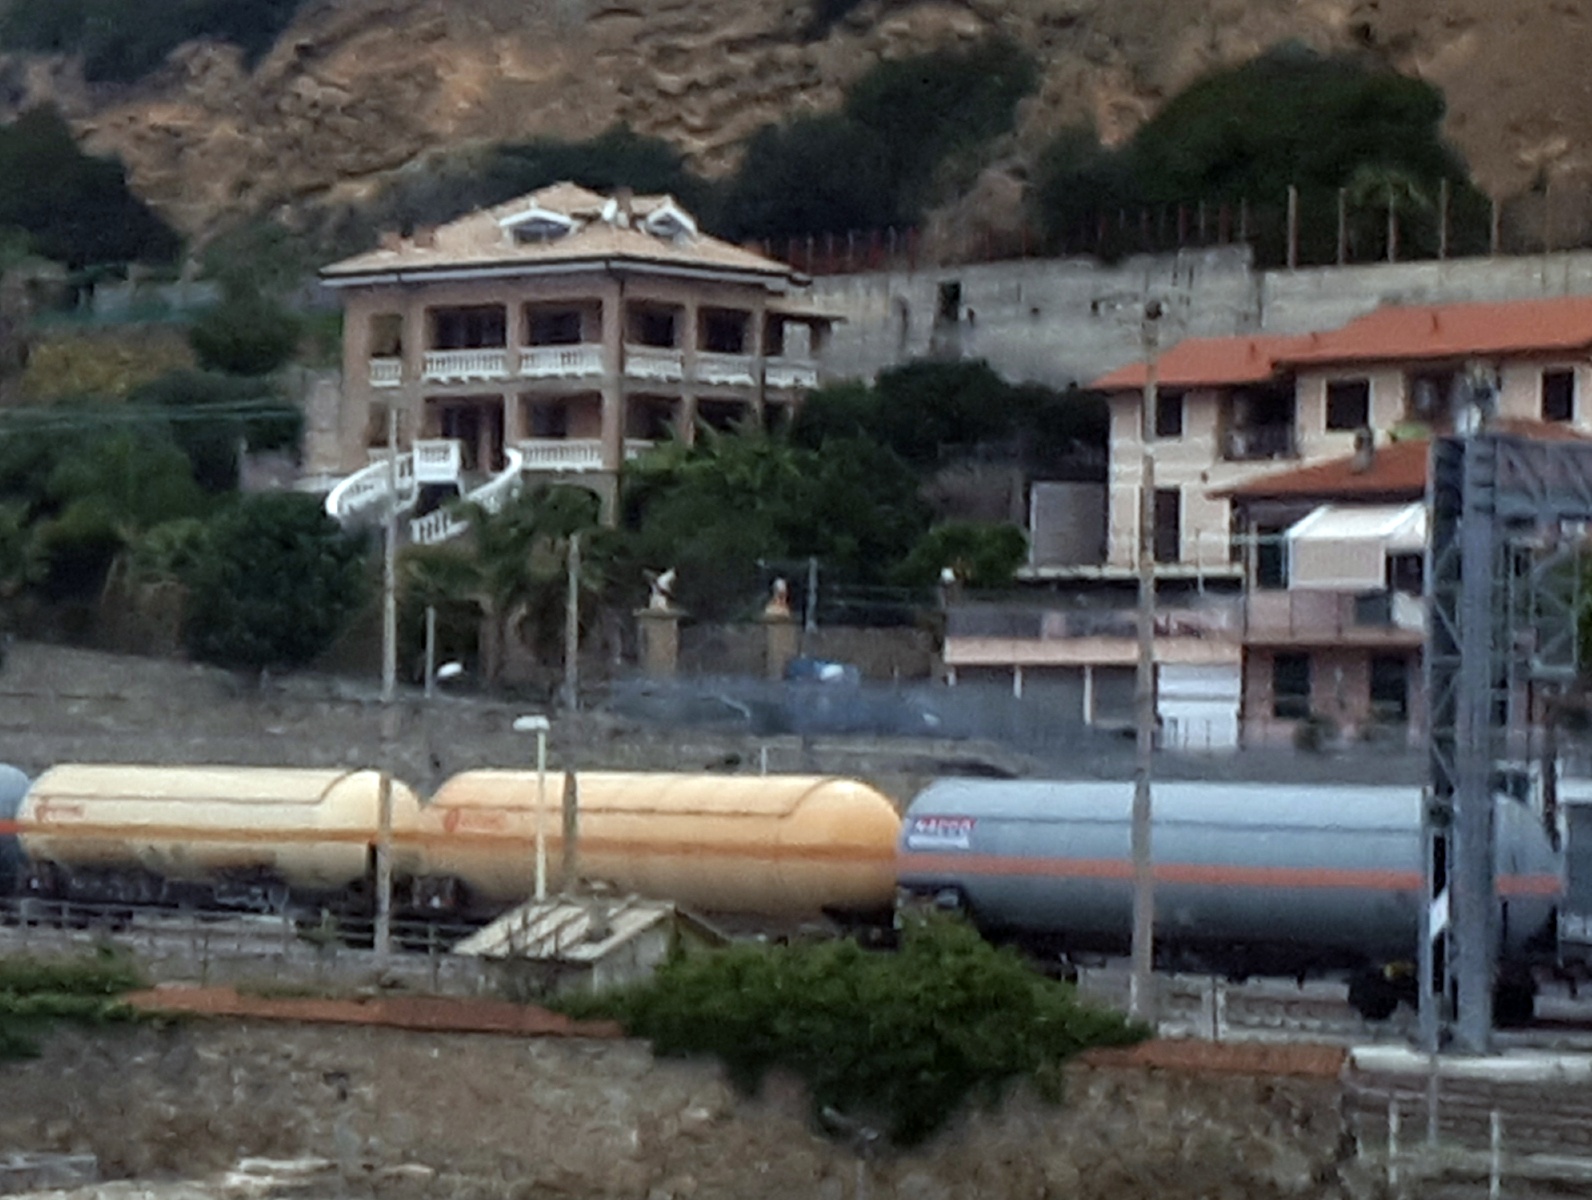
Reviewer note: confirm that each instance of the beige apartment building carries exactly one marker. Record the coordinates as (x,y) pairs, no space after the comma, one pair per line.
(1232,409)
(556,336)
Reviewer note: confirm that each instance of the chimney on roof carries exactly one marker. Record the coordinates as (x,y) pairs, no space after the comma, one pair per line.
(625,198)
(1364,451)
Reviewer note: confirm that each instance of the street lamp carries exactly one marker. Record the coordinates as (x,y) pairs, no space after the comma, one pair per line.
(537,724)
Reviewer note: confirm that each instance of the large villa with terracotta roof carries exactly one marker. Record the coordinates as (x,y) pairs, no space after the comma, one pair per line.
(556,335)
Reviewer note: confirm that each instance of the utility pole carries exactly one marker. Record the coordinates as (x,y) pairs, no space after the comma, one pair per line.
(572,628)
(1142,994)
(389,571)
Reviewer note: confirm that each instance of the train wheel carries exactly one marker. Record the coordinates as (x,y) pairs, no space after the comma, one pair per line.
(1514,1003)
(1374,997)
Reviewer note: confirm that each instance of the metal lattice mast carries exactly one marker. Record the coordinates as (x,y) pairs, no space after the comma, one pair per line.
(1504,598)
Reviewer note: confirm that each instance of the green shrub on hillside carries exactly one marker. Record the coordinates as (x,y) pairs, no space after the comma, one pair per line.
(75,209)
(123,40)
(36,992)
(897,1042)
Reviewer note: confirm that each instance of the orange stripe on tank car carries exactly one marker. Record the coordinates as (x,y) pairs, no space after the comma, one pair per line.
(1212,874)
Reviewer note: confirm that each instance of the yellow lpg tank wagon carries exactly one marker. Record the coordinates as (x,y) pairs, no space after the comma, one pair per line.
(793,846)
(235,837)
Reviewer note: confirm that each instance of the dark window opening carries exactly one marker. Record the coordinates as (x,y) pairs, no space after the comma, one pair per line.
(723,332)
(723,415)
(549,421)
(1290,686)
(1349,404)
(949,311)
(1429,397)
(1271,558)
(478,328)
(561,328)
(387,336)
(1169,415)
(773,339)
(1260,425)
(1390,689)
(652,421)
(1168,525)
(652,327)
(1407,573)
(1558,395)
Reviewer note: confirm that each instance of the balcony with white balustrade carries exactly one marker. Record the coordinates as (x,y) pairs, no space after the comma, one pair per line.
(726,370)
(466,366)
(581,361)
(790,373)
(386,372)
(654,364)
(572,454)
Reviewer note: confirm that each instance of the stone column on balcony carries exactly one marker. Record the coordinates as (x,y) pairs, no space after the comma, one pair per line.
(685,417)
(757,323)
(614,392)
(414,360)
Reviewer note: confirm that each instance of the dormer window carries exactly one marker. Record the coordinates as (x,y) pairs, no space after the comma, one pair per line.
(668,221)
(536,224)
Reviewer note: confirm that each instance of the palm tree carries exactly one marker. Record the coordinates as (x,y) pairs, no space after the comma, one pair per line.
(510,568)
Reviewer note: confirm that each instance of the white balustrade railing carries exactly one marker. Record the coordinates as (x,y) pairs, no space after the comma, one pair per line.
(439,460)
(386,372)
(562,454)
(660,364)
(561,362)
(636,447)
(733,370)
(443,366)
(445,523)
(788,373)
(367,488)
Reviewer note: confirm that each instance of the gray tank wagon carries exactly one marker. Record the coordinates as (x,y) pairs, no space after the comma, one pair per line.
(13,787)
(1249,878)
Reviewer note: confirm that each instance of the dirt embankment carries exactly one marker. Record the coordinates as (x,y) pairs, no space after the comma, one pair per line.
(480,1115)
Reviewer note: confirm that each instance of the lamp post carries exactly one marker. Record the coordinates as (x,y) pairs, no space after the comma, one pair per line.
(1142,990)
(389,563)
(538,725)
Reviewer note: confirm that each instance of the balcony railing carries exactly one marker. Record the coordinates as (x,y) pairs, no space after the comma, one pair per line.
(1259,442)
(658,364)
(572,454)
(386,372)
(730,370)
(1217,619)
(438,460)
(561,362)
(466,366)
(788,373)
(1302,615)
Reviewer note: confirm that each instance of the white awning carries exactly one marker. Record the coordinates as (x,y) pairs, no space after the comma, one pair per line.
(1344,547)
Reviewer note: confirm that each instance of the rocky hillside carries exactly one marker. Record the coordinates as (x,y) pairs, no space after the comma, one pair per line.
(359,88)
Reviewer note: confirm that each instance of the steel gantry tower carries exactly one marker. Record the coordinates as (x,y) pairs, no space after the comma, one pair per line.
(1509,521)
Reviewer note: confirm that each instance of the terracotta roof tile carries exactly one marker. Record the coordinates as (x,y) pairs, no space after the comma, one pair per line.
(1451,331)
(1208,362)
(480,239)
(1397,470)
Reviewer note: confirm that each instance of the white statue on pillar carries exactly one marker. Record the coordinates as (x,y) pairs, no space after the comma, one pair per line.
(779,600)
(661,597)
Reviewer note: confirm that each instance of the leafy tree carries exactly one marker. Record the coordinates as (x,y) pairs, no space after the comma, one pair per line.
(276,584)
(815,174)
(875,163)
(714,511)
(1289,117)
(75,209)
(248,333)
(983,556)
(255,416)
(899,1042)
(123,40)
